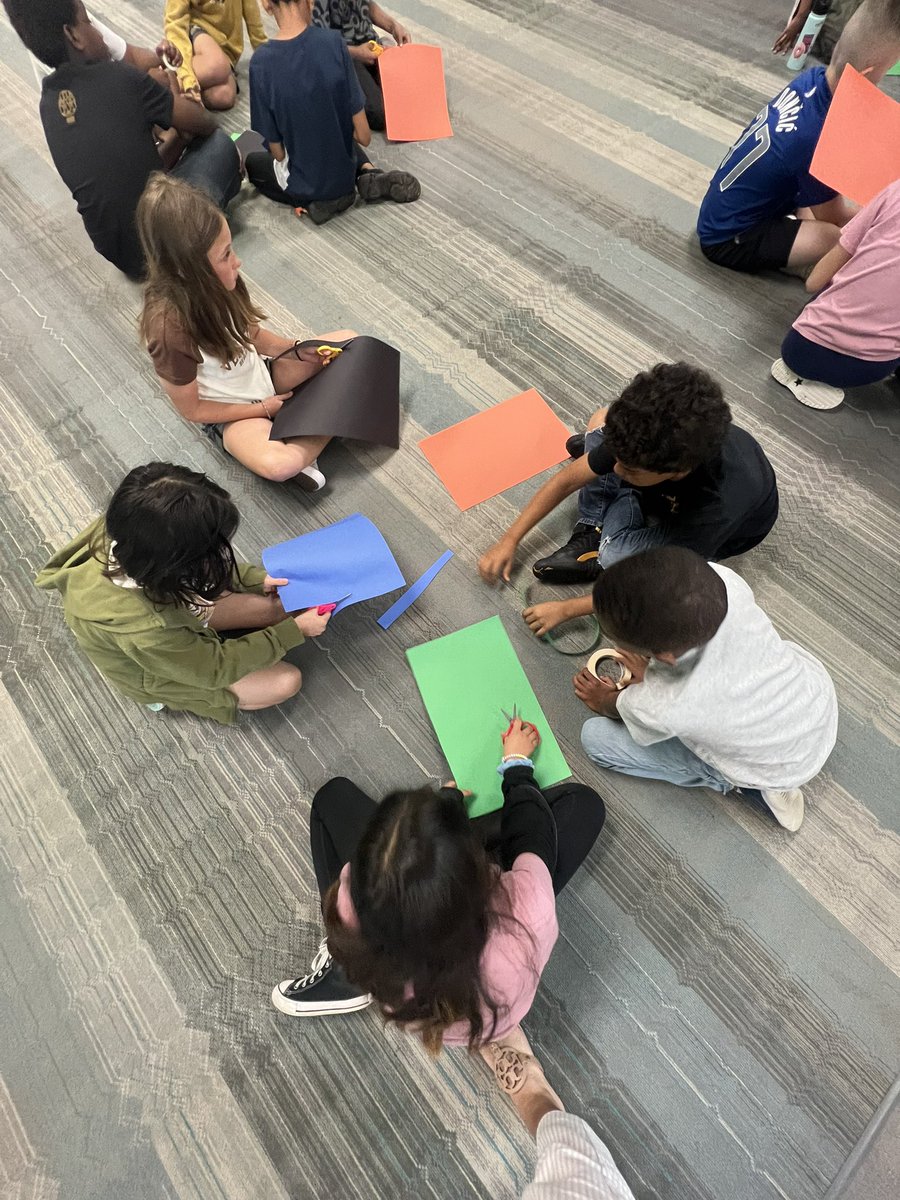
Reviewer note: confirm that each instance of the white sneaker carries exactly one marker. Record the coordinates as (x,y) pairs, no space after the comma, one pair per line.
(786,807)
(310,478)
(807,391)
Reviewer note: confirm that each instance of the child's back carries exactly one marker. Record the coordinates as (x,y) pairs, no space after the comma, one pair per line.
(761,710)
(304,95)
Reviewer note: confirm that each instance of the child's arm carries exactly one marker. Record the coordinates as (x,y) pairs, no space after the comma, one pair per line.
(497,561)
(837,211)
(186,398)
(391,25)
(788,35)
(826,268)
(177,24)
(362,134)
(190,117)
(253,21)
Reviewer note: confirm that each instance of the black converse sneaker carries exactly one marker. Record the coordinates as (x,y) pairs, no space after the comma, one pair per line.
(575,562)
(323,991)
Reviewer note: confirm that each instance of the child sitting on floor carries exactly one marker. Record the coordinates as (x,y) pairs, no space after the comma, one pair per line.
(763,210)
(147,589)
(662,464)
(718,699)
(445,923)
(100,118)
(307,104)
(209,34)
(355,21)
(204,335)
(850,334)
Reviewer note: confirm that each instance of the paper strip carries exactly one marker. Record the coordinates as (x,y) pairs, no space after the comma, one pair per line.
(415,591)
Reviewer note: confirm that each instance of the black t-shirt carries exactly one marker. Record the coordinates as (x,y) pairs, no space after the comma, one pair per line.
(98,119)
(723,507)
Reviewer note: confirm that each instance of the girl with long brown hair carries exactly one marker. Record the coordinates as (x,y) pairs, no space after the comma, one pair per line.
(445,923)
(218,365)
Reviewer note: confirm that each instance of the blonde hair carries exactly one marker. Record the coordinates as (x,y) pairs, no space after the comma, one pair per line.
(177,225)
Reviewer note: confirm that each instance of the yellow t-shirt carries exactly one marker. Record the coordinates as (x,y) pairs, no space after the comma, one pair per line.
(221,19)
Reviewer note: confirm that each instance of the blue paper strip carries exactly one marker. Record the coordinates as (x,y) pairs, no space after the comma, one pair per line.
(414,592)
(349,558)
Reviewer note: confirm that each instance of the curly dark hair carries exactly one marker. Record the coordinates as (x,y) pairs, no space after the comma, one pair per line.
(670,418)
(41,26)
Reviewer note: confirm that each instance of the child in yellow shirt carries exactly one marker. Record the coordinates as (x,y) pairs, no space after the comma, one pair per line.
(209,34)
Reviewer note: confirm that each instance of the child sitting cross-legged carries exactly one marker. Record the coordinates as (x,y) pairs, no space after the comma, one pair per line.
(218,365)
(717,698)
(306,102)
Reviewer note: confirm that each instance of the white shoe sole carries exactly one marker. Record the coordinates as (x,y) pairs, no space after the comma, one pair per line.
(310,478)
(786,807)
(334,1009)
(814,395)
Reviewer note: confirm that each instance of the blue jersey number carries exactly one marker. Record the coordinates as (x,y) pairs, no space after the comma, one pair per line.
(763,140)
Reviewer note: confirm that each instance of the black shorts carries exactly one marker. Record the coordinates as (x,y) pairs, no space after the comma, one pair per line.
(765,247)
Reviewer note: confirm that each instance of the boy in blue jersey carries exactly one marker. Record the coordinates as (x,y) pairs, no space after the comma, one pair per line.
(306,102)
(763,209)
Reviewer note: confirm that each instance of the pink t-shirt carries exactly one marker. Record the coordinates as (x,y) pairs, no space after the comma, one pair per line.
(514,955)
(859,312)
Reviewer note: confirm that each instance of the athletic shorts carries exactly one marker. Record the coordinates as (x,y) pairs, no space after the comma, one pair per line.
(765,247)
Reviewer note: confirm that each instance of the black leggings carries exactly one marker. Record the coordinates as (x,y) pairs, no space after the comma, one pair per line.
(370,82)
(341,812)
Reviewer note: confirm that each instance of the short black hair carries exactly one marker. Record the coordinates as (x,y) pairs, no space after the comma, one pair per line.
(671,418)
(665,600)
(172,529)
(41,26)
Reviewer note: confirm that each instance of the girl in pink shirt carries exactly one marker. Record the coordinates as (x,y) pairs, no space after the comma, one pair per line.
(849,335)
(445,923)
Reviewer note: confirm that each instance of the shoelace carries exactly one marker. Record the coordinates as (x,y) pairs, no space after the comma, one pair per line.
(319,965)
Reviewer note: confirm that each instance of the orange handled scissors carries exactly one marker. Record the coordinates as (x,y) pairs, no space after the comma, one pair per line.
(375,47)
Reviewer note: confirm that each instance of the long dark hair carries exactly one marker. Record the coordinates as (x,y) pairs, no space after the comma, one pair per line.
(425,895)
(178,224)
(172,530)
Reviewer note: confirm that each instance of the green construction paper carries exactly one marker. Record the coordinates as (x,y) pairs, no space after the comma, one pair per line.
(895,69)
(465,679)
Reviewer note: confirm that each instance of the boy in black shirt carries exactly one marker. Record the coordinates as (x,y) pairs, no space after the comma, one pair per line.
(99,118)
(662,465)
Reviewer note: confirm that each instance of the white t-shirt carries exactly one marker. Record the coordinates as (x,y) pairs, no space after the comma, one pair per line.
(760,710)
(243,382)
(115,45)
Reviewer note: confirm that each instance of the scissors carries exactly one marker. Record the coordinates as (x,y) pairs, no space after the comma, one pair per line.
(375,47)
(329,351)
(327,608)
(514,716)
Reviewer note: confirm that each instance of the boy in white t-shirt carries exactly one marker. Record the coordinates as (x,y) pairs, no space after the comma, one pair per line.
(718,699)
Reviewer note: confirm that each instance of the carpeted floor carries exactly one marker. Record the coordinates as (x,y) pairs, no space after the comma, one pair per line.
(723,1002)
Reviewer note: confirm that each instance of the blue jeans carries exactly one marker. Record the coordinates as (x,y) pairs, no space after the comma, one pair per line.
(609,503)
(212,164)
(609,744)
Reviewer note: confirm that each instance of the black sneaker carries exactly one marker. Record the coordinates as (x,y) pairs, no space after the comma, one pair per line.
(320,211)
(575,562)
(575,445)
(323,992)
(399,186)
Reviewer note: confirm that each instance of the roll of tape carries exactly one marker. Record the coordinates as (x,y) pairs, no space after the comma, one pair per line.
(608,653)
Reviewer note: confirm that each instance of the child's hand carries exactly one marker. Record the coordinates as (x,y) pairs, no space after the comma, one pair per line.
(497,561)
(522,738)
(363,54)
(271,406)
(541,618)
(451,783)
(271,586)
(600,695)
(400,34)
(636,663)
(311,624)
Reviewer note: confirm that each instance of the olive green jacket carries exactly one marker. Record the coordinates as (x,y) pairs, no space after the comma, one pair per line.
(159,653)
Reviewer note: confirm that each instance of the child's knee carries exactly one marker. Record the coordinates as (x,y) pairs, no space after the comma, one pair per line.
(288,682)
(599,736)
(279,464)
(220,97)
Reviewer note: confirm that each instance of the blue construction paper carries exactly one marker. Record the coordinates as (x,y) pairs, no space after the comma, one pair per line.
(349,559)
(415,591)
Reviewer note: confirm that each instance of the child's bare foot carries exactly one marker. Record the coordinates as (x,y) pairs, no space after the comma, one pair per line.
(521,1076)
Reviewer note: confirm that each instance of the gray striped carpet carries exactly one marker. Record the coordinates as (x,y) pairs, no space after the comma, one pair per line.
(722,1005)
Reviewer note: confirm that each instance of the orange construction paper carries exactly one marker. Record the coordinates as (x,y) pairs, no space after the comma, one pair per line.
(490,452)
(415,99)
(859,148)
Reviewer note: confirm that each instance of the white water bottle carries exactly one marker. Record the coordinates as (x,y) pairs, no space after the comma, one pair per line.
(807,36)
